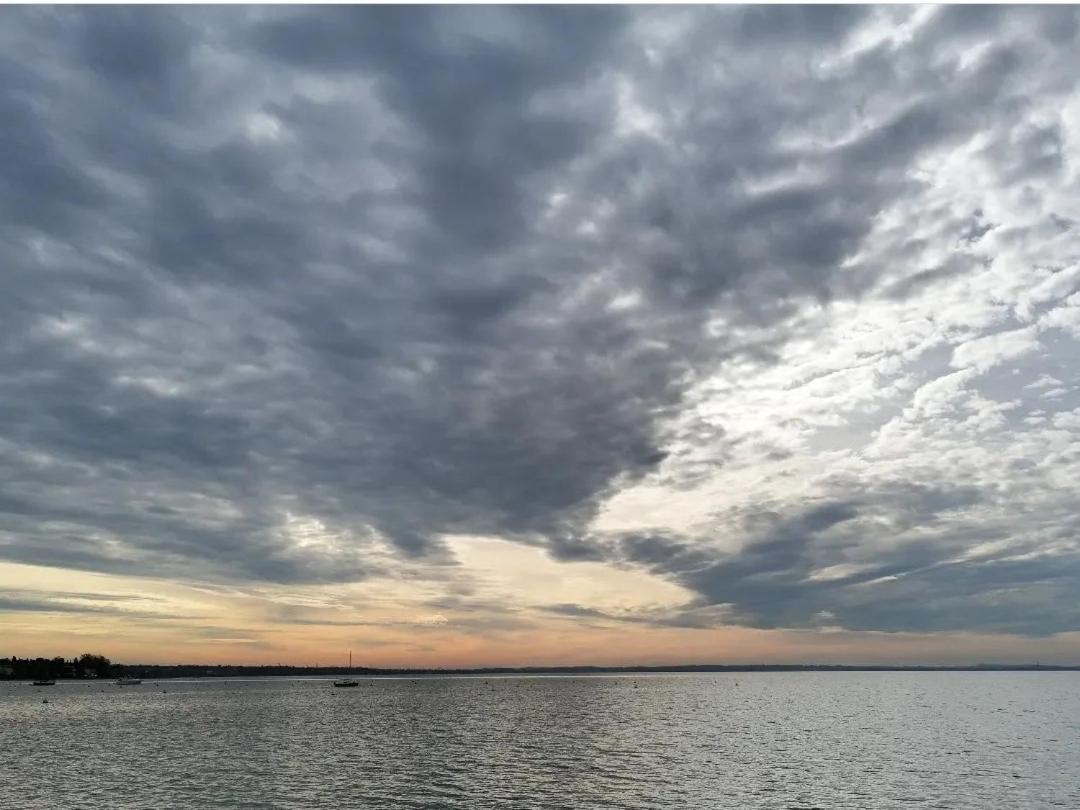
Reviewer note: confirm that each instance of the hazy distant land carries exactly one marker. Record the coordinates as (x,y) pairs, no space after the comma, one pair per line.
(89,667)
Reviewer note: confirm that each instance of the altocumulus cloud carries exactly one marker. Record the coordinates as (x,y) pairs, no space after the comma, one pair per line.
(291,294)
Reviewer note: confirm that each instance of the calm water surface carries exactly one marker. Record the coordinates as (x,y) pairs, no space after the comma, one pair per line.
(769,740)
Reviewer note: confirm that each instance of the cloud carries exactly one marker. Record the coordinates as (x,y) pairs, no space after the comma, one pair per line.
(292,294)
(986,352)
(119,605)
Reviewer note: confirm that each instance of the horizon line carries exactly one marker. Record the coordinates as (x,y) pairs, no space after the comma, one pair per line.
(595,668)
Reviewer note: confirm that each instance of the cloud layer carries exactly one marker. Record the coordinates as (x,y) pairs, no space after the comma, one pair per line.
(780,304)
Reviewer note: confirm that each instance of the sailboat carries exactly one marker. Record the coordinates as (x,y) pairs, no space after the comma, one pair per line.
(347,681)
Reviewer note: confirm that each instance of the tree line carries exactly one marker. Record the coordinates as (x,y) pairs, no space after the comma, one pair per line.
(86,665)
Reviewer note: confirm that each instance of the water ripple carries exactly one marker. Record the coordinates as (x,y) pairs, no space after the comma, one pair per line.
(781,740)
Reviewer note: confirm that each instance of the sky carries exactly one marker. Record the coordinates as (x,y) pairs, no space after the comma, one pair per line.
(464,336)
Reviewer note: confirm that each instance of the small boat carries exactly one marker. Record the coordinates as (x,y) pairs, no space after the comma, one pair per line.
(45,682)
(346,682)
(128,681)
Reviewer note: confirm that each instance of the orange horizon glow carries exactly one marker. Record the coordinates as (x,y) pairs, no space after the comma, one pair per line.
(391,624)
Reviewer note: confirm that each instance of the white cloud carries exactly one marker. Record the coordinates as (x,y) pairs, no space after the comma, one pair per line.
(983,353)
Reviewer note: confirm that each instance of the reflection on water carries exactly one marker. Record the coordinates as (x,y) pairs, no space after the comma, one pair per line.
(769,740)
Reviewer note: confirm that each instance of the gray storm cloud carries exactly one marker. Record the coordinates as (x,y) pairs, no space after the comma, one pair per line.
(291,293)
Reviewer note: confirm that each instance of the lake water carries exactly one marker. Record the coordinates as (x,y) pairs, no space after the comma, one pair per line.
(767,740)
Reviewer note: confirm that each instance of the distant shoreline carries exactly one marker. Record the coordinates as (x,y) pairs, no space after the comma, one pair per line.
(235,670)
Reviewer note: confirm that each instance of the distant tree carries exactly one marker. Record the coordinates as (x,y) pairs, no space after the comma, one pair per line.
(92,665)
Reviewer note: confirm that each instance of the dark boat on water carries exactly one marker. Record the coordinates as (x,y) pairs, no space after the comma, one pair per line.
(45,682)
(347,682)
